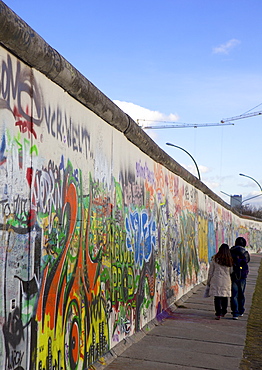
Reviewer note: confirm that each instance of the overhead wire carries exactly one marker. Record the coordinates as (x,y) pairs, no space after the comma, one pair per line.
(252,108)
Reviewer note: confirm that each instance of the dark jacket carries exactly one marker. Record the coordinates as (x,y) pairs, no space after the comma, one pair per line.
(241,259)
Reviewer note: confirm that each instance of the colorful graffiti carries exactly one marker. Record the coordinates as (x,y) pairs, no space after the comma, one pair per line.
(87,260)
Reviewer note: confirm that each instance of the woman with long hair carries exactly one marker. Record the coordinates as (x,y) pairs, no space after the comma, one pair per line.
(219,279)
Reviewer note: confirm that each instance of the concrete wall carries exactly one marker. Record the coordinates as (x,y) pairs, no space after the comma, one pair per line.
(100,230)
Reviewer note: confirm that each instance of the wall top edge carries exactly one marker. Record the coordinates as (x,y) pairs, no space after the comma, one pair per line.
(20,39)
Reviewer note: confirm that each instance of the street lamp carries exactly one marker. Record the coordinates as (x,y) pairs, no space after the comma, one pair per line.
(189,156)
(255,196)
(245,200)
(260,187)
(225,193)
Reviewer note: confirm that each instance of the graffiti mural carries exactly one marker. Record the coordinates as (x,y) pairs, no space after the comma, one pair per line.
(94,245)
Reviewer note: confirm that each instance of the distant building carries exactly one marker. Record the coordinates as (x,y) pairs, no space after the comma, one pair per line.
(235,201)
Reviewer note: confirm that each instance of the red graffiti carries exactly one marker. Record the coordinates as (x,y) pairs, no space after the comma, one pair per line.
(24,125)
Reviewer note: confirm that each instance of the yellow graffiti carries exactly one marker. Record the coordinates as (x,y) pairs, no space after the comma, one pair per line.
(203,239)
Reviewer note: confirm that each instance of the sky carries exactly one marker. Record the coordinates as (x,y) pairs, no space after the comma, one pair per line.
(172,62)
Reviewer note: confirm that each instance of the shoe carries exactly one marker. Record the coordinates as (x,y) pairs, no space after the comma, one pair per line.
(235,317)
(217,318)
(241,315)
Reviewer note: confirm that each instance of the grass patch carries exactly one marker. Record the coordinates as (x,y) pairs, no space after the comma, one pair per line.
(252,355)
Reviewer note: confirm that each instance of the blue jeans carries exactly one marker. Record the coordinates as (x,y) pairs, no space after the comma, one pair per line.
(238,297)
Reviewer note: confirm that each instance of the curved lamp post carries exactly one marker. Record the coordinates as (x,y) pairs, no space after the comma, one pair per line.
(260,187)
(255,196)
(189,156)
(245,200)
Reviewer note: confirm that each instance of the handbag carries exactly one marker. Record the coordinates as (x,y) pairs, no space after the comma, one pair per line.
(206,292)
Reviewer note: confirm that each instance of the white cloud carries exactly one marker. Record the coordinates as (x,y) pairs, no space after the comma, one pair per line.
(145,116)
(204,169)
(248,185)
(225,48)
(212,185)
(192,168)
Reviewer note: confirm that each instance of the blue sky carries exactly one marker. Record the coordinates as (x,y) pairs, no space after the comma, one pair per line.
(190,61)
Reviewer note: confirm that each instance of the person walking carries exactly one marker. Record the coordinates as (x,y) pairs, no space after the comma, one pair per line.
(219,280)
(241,258)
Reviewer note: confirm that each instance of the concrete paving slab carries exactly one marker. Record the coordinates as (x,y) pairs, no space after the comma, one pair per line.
(164,358)
(180,345)
(212,332)
(128,363)
(188,357)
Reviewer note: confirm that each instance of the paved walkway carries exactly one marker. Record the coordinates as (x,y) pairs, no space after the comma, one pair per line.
(189,337)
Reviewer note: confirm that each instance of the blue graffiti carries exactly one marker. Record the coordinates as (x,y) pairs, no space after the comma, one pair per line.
(140,236)
(2,150)
(211,240)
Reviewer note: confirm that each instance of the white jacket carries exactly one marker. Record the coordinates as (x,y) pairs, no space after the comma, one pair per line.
(219,280)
